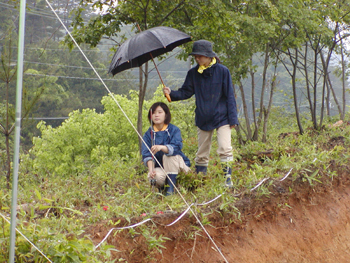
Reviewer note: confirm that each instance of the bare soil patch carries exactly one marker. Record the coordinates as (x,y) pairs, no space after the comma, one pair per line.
(307,224)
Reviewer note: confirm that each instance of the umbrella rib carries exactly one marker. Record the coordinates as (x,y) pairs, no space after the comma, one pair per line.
(158,37)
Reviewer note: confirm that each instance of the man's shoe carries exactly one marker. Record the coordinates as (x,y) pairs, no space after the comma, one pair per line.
(228,182)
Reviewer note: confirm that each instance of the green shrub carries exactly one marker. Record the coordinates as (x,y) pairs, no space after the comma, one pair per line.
(87,139)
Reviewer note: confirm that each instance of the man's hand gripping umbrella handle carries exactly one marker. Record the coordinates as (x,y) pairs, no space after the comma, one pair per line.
(168,97)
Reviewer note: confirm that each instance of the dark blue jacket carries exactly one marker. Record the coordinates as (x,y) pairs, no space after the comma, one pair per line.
(170,137)
(215,100)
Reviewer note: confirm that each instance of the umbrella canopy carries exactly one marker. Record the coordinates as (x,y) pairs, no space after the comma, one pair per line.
(146,45)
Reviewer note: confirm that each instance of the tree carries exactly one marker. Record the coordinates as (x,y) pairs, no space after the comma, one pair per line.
(33,89)
(7,85)
(111,22)
(317,33)
(276,30)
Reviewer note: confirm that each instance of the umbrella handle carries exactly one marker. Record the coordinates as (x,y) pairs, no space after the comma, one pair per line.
(155,65)
(168,97)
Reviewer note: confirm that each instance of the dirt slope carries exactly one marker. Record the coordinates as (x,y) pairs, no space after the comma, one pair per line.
(311,224)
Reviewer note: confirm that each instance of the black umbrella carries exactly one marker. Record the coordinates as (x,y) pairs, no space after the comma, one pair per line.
(146,45)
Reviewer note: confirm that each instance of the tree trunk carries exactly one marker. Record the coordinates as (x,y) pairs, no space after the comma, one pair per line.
(318,126)
(267,112)
(252,75)
(263,88)
(330,86)
(343,78)
(7,133)
(142,93)
(323,99)
(328,95)
(314,117)
(297,115)
(246,115)
(8,160)
(238,130)
(306,71)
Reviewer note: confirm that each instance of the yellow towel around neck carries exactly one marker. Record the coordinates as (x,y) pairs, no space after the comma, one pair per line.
(202,68)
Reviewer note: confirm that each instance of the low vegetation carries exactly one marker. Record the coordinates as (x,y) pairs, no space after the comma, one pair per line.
(88,171)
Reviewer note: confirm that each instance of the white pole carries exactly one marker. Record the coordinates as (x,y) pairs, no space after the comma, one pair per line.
(17,128)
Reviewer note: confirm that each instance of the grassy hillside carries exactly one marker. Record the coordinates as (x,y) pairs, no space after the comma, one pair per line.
(55,209)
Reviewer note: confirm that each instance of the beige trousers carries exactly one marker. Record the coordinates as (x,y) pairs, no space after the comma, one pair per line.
(171,165)
(224,151)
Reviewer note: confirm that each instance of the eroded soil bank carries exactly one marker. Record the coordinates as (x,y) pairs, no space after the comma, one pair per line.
(310,224)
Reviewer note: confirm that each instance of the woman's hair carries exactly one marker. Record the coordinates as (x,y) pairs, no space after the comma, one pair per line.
(217,59)
(165,109)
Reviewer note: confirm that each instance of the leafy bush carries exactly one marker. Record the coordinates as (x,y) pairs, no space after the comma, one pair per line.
(58,247)
(87,139)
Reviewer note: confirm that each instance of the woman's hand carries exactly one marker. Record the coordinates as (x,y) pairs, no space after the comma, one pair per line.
(157,148)
(151,171)
(151,174)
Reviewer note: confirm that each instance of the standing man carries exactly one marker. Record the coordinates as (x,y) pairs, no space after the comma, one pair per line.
(211,84)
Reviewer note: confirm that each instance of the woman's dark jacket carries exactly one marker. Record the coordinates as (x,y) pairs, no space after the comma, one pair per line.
(215,100)
(170,137)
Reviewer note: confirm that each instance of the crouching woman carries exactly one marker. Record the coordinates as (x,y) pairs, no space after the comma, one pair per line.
(165,142)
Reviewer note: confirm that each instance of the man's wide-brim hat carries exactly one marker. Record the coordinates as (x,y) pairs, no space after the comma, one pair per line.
(203,48)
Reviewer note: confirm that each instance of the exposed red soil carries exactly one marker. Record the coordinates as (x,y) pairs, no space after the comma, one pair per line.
(310,224)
